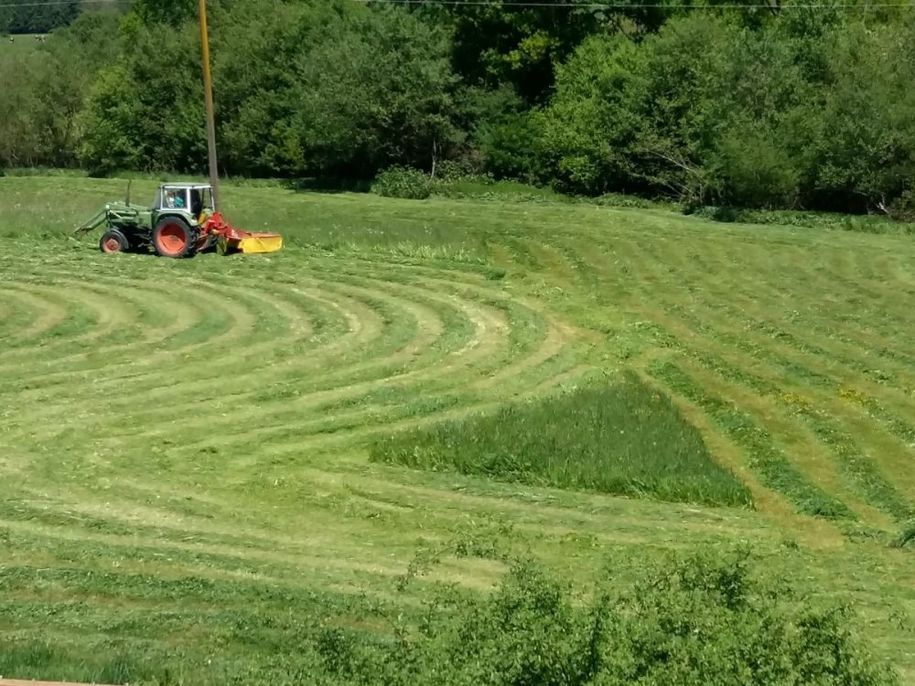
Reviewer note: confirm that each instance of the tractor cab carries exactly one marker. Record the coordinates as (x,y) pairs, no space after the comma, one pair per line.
(191,200)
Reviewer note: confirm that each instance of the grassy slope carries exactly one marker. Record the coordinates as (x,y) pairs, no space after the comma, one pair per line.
(183,444)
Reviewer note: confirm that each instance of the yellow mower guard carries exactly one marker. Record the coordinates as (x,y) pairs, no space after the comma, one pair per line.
(251,244)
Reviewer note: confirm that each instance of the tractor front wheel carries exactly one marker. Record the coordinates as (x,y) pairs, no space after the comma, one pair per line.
(113,241)
(174,237)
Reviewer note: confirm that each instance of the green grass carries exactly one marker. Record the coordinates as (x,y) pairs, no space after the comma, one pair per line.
(185,482)
(623,438)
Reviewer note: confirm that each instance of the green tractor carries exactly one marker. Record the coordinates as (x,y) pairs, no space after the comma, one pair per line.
(181,222)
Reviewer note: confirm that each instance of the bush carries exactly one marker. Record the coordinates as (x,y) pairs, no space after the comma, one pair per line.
(903,208)
(485,188)
(403,182)
(624,201)
(460,170)
(707,619)
(625,438)
(510,147)
(754,171)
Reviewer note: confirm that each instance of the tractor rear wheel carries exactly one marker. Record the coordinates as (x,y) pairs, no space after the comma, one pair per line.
(174,237)
(113,241)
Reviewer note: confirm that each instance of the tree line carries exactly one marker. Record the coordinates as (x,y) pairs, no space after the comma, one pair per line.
(776,106)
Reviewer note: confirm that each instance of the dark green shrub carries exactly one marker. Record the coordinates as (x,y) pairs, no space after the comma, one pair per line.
(527,632)
(403,182)
(719,214)
(485,188)
(754,171)
(510,147)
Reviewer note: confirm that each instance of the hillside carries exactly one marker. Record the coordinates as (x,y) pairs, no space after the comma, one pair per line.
(184,445)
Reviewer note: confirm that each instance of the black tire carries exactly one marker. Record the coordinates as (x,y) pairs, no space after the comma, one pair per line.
(174,237)
(113,241)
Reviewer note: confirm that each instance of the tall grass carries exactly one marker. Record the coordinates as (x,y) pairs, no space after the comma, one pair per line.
(624,438)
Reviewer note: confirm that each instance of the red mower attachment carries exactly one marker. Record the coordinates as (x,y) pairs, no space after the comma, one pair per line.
(232,240)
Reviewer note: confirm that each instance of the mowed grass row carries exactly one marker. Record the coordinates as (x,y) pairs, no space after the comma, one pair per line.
(798,382)
(417,336)
(695,326)
(210,421)
(323,392)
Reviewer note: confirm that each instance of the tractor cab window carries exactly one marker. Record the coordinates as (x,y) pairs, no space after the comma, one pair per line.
(174,199)
(196,202)
(206,195)
(201,201)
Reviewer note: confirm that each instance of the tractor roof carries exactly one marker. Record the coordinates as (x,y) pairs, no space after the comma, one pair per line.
(184,184)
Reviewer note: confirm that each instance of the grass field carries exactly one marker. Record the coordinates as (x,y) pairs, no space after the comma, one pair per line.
(184,445)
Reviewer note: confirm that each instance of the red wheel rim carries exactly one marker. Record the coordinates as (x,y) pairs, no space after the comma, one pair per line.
(172,239)
(111,245)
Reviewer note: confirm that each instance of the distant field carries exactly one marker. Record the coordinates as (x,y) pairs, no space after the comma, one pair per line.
(184,445)
(20,43)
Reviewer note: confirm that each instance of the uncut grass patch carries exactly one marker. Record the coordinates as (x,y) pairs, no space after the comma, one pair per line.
(624,438)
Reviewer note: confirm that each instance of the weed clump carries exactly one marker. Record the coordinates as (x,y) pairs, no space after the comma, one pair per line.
(906,536)
(624,438)
(403,182)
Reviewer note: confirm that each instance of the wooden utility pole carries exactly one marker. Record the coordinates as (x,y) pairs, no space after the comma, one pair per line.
(208,94)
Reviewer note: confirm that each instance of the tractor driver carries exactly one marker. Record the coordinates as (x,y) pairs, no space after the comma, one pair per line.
(174,199)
